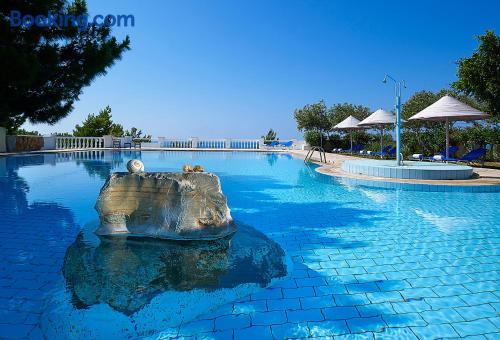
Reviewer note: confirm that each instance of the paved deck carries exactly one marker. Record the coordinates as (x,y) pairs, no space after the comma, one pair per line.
(482,176)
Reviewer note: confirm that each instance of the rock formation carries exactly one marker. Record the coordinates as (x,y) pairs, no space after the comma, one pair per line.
(126,273)
(185,206)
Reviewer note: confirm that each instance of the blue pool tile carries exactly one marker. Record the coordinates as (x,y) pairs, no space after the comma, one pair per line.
(370,277)
(196,327)
(358,336)
(479,298)
(330,289)
(268,318)
(340,313)
(360,325)
(254,332)
(328,328)
(425,283)
(351,300)
(317,302)
(232,321)
(445,302)
(309,282)
(415,293)
(404,333)
(304,315)
(376,309)
(283,304)
(392,285)
(496,321)
(15,331)
(450,290)
(475,327)
(377,297)
(404,320)
(434,331)
(298,292)
(445,315)
(362,287)
(269,293)
(289,330)
(411,306)
(249,307)
(482,286)
(476,312)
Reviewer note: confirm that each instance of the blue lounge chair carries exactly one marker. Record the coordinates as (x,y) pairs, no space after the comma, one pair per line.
(286,144)
(451,152)
(391,152)
(355,148)
(274,143)
(383,152)
(469,157)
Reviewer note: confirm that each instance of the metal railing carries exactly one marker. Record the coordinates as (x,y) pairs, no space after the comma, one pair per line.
(322,154)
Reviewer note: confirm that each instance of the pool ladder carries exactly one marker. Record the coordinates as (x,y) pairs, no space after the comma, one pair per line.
(322,154)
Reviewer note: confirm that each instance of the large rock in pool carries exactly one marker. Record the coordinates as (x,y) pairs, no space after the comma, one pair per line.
(185,206)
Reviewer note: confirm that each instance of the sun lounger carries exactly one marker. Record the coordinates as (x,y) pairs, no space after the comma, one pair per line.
(469,157)
(442,155)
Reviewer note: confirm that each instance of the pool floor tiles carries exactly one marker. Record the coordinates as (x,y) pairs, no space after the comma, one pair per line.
(367,284)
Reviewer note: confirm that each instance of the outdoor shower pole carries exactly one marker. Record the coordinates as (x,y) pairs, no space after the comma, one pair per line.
(397,90)
(398,124)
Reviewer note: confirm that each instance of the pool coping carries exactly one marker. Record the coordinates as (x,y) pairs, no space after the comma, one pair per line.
(481,183)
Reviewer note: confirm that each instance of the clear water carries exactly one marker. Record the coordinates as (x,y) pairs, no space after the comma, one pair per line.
(379,262)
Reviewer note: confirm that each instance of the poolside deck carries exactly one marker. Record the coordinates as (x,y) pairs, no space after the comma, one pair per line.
(483,176)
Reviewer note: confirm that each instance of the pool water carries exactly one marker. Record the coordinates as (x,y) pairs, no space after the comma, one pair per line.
(370,262)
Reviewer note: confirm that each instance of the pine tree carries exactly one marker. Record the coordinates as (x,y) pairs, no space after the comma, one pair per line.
(43,69)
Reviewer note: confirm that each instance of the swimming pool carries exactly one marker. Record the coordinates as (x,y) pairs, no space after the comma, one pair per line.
(389,263)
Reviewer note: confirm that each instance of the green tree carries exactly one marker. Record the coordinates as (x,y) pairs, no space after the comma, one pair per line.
(479,75)
(270,136)
(98,125)
(23,132)
(136,133)
(43,69)
(313,118)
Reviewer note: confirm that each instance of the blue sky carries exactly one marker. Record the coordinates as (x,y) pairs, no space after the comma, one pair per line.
(236,68)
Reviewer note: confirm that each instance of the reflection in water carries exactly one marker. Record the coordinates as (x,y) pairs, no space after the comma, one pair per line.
(127,272)
(101,164)
(446,224)
(272,158)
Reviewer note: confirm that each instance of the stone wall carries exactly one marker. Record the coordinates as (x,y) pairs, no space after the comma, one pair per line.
(24,143)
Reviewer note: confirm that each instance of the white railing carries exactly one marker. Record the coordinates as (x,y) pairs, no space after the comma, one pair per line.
(79,142)
(60,142)
(176,143)
(245,144)
(204,143)
(211,143)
